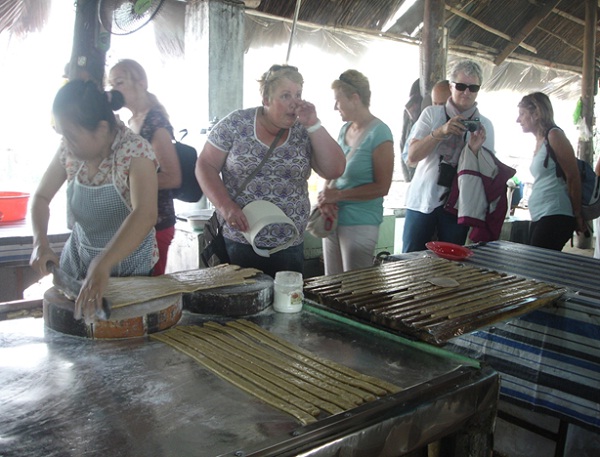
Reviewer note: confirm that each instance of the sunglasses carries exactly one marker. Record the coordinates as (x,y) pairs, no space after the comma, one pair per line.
(276,68)
(462,87)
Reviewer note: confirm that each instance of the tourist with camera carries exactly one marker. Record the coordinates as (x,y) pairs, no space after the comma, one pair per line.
(439,137)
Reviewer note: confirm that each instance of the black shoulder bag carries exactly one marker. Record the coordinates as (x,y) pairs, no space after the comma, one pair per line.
(214,251)
(190,188)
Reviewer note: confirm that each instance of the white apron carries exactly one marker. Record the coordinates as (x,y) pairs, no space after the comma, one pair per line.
(97,213)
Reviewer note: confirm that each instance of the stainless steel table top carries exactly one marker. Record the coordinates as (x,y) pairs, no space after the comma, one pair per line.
(67,396)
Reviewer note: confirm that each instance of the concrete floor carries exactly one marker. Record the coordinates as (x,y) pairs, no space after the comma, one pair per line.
(575,250)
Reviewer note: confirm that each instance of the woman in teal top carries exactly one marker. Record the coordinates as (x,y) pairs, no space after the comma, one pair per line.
(356,198)
(555,202)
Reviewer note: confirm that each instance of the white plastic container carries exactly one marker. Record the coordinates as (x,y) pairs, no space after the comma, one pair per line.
(288,296)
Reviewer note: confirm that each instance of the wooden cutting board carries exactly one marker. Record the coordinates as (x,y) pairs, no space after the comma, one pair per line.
(143,305)
(235,301)
(132,321)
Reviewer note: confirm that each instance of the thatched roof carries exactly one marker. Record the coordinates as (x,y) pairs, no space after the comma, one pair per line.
(544,32)
(19,17)
(550,32)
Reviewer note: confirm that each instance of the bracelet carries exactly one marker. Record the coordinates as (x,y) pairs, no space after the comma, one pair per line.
(314,128)
(436,138)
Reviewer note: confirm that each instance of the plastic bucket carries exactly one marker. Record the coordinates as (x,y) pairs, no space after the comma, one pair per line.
(13,206)
(288,296)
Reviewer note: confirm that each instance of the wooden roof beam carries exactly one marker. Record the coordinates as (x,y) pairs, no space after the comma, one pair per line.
(525,31)
(487,28)
(562,40)
(573,18)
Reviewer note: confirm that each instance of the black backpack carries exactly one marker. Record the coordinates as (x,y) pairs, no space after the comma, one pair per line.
(590,183)
(190,190)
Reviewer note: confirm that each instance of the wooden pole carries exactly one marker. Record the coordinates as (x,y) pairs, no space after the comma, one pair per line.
(90,43)
(293,32)
(434,48)
(588,82)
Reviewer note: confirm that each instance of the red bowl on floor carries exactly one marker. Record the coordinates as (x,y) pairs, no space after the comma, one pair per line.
(449,251)
(13,206)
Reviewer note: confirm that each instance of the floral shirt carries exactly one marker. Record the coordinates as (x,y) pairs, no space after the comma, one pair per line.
(127,145)
(154,120)
(283,179)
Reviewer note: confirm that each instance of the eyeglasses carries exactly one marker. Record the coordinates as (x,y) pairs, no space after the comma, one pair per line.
(462,87)
(276,68)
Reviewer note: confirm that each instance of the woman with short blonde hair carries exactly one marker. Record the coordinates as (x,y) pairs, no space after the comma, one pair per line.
(240,141)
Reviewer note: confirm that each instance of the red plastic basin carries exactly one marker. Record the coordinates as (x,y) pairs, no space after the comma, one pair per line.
(13,206)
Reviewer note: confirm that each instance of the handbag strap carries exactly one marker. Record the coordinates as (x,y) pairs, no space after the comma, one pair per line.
(262,162)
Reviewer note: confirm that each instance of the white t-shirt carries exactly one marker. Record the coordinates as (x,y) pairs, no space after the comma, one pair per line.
(424,194)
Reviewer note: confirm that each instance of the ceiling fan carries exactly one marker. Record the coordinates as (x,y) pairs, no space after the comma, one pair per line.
(122,17)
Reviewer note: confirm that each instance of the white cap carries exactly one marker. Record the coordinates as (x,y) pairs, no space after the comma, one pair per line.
(261,213)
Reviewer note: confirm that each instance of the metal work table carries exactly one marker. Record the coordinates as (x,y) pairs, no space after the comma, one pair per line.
(62,395)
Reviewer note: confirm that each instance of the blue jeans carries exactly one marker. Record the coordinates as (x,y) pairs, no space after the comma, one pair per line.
(290,259)
(419,228)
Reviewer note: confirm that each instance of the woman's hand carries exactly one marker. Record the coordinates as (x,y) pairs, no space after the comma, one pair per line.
(329,210)
(329,195)
(454,126)
(580,225)
(419,149)
(89,300)
(306,113)
(477,139)
(41,256)
(235,217)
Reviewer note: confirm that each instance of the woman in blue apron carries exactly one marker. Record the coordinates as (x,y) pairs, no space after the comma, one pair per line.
(111,196)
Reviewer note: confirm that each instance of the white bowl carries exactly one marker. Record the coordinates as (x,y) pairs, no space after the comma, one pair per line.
(198,218)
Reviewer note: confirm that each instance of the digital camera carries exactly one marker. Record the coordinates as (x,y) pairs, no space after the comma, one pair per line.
(472,125)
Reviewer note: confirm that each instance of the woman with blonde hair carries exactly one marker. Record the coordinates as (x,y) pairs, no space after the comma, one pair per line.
(240,141)
(555,200)
(357,196)
(150,120)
